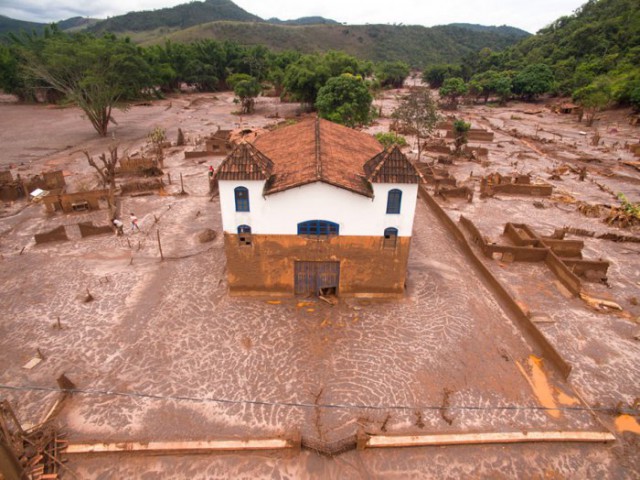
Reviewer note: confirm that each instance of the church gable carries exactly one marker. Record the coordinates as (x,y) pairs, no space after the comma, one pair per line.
(391,166)
(245,162)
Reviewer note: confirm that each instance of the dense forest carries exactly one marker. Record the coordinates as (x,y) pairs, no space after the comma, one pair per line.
(592,55)
(223,20)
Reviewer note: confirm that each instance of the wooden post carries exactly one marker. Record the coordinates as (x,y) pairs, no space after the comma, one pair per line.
(181,184)
(159,245)
(169,178)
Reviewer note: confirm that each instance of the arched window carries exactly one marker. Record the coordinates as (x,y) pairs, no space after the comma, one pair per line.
(318,227)
(244,235)
(242,199)
(394,200)
(390,237)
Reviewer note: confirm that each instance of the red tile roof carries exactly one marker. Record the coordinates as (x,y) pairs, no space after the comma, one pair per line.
(245,162)
(318,150)
(392,166)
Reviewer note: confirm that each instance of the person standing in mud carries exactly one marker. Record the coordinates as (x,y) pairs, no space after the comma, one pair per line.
(134,223)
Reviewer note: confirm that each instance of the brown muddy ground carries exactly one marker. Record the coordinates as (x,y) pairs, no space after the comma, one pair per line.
(163,353)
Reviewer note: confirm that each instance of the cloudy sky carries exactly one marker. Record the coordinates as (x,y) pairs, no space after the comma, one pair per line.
(530,15)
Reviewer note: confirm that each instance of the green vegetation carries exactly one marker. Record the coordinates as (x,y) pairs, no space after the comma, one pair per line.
(10,25)
(460,133)
(452,89)
(346,100)
(491,83)
(388,139)
(435,75)
(181,16)
(414,45)
(392,74)
(593,98)
(246,88)
(97,74)
(577,54)
(417,114)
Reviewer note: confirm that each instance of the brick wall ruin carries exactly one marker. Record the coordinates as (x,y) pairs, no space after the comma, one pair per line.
(56,235)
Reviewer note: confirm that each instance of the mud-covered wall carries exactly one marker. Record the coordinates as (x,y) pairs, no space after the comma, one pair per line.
(55,235)
(508,302)
(367,267)
(88,229)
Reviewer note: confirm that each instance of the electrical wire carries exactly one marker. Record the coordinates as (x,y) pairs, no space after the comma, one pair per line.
(337,406)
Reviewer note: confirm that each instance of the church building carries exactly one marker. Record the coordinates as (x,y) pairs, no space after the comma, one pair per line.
(317,208)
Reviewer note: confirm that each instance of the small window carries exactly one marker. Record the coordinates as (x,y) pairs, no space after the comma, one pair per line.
(394,200)
(318,227)
(244,235)
(242,199)
(390,237)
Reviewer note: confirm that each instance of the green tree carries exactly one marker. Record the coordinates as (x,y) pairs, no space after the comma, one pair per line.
(392,74)
(593,98)
(246,89)
(304,78)
(346,100)
(533,80)
(435,75)
(418,114)
(460,133)
(390,138)
(97,74)
(452,89)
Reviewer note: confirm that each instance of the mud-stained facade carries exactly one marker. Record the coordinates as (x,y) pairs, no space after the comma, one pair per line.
(317,208)
(268,265)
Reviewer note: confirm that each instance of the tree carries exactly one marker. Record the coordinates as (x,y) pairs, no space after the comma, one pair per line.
(533,80)
(435,75)
(246,89)
(157,137)
(593,98)
(388,139)
(489,83)
(97,74)
(392,74)
(106,172)
(453,88)
(346,100)
(417,113)
(460,133)
(304,78)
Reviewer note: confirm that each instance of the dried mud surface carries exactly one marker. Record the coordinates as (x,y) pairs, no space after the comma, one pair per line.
(163,353)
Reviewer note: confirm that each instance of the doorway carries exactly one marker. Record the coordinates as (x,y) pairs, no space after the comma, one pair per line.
(317,278)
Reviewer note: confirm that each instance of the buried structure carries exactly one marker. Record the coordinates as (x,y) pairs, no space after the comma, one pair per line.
(317,208)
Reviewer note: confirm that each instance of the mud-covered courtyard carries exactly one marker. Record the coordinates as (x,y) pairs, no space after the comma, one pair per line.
(162,352)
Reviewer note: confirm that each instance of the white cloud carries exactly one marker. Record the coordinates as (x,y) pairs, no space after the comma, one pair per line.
(528,15)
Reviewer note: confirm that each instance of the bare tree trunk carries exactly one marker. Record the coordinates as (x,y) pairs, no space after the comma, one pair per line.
(107,173)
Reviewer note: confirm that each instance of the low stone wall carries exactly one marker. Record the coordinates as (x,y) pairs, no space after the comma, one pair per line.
(88,229)
(566,276)
(56,235)
(503,296)
(523,189)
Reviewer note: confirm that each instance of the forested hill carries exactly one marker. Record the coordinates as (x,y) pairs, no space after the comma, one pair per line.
(418,46)
(181,16)
(594,51)
(11,25)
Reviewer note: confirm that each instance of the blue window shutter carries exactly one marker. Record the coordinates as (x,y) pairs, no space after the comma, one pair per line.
(242,199)
(394,201)
(318,227)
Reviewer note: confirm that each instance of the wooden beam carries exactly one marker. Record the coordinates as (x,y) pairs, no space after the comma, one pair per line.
(181,447)
(380,441)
